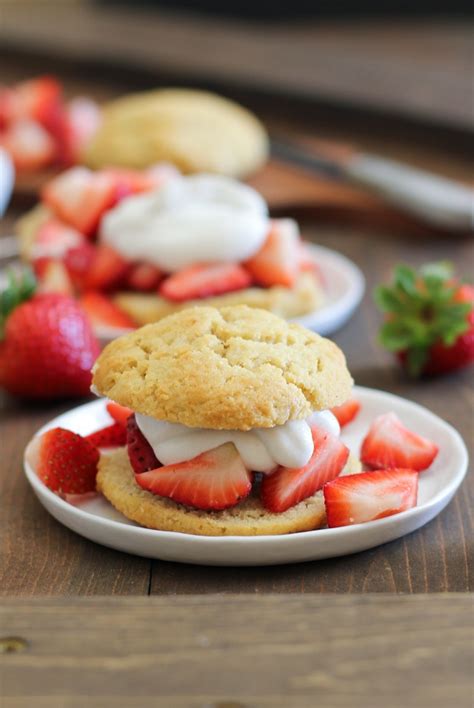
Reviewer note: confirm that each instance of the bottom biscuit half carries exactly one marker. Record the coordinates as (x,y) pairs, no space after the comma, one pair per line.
(116,481)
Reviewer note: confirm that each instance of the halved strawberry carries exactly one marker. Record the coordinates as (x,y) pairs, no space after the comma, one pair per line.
(78,262)
(389,444)
(54,239)
(107,269)
(278,261)
(30,146)
(288,486)
(54,277)
(82,118)
(103,312)
(140,453)
(144,277)
(80,197)
(119,413)
(204,280)
(114,435)
(346,412)
(39,100)
(67,462)
(358,498)
(217,479)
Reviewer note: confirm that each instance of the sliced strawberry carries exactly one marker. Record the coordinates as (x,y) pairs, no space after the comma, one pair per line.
(389,444)
(217,479)
(358,498)
(140,453)
(78,262)
(119,413)
(67,462)
(39,100)
(288,486)
(54,277)
(204,280)
(107,270)
(103,312)
(54,238)
(128,181)
(82,118)
(346,412)
(144,277)
(80,197)
(30,146)
(278,261)
(114,435)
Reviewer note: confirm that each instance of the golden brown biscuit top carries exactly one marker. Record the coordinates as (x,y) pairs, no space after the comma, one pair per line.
(230,368)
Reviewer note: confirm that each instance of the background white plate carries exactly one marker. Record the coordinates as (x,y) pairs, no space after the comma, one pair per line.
(98,521)
(344,287)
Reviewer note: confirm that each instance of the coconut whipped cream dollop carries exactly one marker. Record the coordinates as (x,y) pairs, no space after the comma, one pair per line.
(261,449)
(189,220)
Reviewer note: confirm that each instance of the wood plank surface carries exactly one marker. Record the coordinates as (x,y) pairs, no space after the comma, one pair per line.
(40,557)
(210,652)
(418,67)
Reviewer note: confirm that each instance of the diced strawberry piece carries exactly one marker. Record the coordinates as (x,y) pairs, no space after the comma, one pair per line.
(346,412)
(53,239)
(140,453)
(288,486)
(39,100)
(389,444)
(217,479)
(30,146)
(54,277)
(114,435)
(67,462)
(144,277)
(204,280)
(278,261)
(119,413)
(107,270)
(82,118)
(80,197)
(78,262)
(103,312)
(358,498)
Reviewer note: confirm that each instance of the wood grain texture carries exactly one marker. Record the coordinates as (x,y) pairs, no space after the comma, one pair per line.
(420,68)
(236,652)
(40,557)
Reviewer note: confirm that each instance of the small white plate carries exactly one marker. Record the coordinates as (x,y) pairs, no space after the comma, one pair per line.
(344,287)
(98,521)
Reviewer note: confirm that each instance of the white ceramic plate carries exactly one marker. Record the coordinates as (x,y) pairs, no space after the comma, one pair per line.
(98,521)
(344,287)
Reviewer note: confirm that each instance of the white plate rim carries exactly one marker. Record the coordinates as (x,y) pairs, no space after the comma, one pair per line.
(228,541)
(327,319)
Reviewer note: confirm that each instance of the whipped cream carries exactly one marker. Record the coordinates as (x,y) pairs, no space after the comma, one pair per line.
(189,220)
(261,449)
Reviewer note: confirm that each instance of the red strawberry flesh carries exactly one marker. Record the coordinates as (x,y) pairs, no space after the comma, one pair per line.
(390,444)
(67,462)
(111,436)
(140,453)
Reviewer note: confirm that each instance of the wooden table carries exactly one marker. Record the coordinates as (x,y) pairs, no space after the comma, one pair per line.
(343,649)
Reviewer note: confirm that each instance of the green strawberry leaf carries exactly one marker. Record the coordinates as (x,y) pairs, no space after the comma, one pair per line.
(20,288)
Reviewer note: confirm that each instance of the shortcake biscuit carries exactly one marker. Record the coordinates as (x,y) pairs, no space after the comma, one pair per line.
(234,368)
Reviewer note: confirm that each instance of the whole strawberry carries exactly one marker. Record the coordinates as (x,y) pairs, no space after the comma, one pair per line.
(47,346)
(429,319)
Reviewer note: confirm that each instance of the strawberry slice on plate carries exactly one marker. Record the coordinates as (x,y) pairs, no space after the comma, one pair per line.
(288,486)
(358,498)
(204,280)
(107,269)
(67,462)
(54,239)
(39,100)
(103,312)
(278,261)
(346,412)
(119,413)
(30,146)
(144,277)
(114,435)
(389,444)
(217,479)
(78,261)
(80,197)
(140,453)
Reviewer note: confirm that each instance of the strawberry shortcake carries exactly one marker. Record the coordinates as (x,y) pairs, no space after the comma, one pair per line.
(138,246)
(230,431)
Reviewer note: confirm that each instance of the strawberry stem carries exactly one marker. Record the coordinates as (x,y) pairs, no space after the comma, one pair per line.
(20,288)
